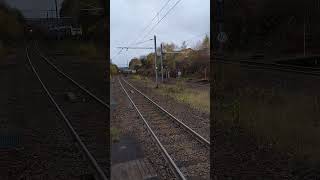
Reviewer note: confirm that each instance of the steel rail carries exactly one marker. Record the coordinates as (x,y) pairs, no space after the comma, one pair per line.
(280,65)
(199,137)
(173,165)
(270,67)
(73,81)
(74,133)
(252,61)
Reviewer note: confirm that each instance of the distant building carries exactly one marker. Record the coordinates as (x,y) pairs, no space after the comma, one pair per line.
(187,51)
(125,70)
(56,27)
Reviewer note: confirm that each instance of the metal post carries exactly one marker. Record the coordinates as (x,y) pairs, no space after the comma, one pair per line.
(57,15)
(161,62)
(155,59)
(57,18)
(219,23)
(205,73)
(304,36)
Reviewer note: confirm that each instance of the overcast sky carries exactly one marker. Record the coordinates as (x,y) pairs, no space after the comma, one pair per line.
(189,20)
(34,8)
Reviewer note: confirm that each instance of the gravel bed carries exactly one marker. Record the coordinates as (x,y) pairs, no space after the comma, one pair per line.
(88,118)
(125,118)
(44,149)
(195,119)
(187,152)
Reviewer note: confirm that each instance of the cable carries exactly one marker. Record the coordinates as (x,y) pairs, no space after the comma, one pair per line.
(196,36)
(143,41)
(162,18)
(157,14)
(86,4)
(117,54)
(193,37)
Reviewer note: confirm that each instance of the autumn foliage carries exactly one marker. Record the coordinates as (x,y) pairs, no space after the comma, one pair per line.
(191,62)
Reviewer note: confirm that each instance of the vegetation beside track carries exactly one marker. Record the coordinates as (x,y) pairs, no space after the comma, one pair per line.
(11,28)
(93,23)
(190,61)
(278,117)
(76,48)
(3,52)
(115,134)
(113,70)
(197,99)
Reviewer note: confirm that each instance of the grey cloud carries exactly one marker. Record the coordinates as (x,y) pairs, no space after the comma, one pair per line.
(188,19)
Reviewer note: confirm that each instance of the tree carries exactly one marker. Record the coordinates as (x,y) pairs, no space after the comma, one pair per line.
(11,24)
(113,69)
(169,59)
(93,25)
(135,63)
(184,45)
(205,43)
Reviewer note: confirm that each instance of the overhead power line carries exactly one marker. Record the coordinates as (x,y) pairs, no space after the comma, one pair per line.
(117,54)
(196,36)
(92,7)
(135,47)
(157,14)
(32,10)
(86,4)
(189,39)
(162,18)
(143,41)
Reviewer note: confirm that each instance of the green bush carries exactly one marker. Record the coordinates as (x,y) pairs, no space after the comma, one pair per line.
(88,50)
(78,48)
(113,70)
(115,134)
(3,52)
(11,24)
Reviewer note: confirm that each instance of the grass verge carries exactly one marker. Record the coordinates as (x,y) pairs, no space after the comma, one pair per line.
(115,134)
(286,120)
(78,48)
(195,98)
(3,52)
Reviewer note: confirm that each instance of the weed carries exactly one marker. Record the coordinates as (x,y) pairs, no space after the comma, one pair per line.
(197,99)
(279,120)
(136,77)
(115,134)
(3,52)
(79,48)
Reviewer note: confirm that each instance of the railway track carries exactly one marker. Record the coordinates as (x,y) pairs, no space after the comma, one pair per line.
(187,153)
(273,66)
(84,115)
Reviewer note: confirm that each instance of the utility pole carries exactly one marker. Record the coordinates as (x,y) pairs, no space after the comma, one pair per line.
(57,15)
(57,18)
(219,19)
(304,36)
(161,62)
(155,59)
